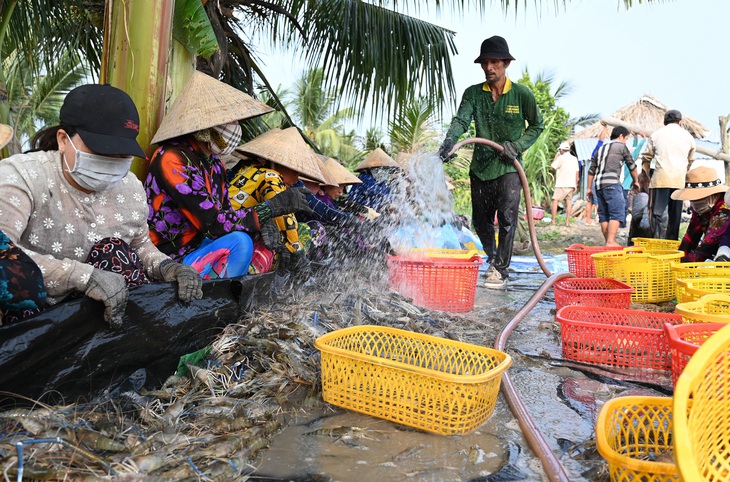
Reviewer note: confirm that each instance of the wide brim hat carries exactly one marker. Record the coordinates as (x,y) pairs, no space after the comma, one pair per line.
(700,182)
(287,148)
(329,180)
(206,102)
(339,173)
(6,133)
(494,47)
(377,158)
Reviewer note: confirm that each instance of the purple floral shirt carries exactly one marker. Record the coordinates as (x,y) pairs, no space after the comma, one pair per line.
(187,194)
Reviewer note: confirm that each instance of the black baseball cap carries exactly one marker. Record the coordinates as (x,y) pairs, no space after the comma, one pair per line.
(105,117)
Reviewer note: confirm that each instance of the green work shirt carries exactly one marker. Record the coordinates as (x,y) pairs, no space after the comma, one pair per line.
(514,117)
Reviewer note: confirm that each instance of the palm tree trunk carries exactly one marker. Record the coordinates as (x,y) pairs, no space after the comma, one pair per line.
(137,43)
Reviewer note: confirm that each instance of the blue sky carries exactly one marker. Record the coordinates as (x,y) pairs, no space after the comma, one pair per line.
(674,51)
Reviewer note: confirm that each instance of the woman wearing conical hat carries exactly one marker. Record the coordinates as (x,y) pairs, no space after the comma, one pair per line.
(190,213)
(270,164)
(377,173)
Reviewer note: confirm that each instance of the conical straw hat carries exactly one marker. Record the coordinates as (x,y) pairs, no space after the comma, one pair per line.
(339,173)
(377,158)
(6,133)
(328,177)
(286,147)
(206,102)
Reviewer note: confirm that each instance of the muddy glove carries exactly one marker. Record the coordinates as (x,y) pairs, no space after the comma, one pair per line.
(111,289)
(271,236)
(444,150)
(292,200)
(723,254)
(509,153)
(189,282)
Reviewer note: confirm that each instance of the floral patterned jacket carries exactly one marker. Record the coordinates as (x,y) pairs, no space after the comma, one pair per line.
(187,194)
(703,235)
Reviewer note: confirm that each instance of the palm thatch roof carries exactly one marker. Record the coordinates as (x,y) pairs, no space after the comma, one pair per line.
(647,112)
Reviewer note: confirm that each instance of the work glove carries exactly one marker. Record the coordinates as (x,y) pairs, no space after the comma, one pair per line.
(292,200)
(723,254)
(509,153)
(189,282)
(111,289)
(445,149)
(271,236)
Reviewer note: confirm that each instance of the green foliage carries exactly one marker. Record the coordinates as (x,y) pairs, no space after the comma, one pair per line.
(547,102)
(413,130)
(191,27)
(549,235)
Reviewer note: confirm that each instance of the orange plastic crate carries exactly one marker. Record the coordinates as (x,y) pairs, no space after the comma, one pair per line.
(579,259)
(592,292)
(617,337)
(438,283)
(684,340)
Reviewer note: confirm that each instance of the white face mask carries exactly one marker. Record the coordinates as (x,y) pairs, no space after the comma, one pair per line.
(96,172)
(701,206)
(231,134)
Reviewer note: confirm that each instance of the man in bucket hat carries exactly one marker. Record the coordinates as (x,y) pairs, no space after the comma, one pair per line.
(500,109)
(710,214)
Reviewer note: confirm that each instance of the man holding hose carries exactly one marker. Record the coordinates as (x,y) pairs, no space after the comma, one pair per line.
(507,113)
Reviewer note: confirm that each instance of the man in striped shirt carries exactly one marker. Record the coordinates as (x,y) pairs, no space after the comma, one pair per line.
(606,166)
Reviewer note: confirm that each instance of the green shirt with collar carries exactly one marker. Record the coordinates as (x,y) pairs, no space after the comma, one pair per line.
(514,117)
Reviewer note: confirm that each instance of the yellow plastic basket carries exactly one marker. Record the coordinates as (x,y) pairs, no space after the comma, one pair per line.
(692,289)
(704,269)
(434,384)
(702,430)
(708,309)
(653,243)
(443,253)
(630,432)
(648,272)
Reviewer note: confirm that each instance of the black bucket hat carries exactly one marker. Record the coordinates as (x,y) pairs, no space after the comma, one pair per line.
(105,117)
(494,47)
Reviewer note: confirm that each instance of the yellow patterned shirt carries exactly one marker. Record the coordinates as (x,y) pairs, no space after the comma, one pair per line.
(252,185)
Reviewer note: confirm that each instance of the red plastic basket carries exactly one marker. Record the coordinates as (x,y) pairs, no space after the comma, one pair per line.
(684,340)
(617,337)
(579,258)
(592,292)
(447,284)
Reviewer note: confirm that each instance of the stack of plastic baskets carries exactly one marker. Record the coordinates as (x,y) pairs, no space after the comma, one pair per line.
(692,289)
(579,259)
(630,432)
(702,412)
(592,292)
(437,279)
(434,384)
(648,272)
(685,340)
(653,244)
(622,338)
(705,269)
(708,309)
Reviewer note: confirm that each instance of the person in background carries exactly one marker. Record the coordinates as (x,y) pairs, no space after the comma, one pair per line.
(567,175)
(507,113)
(378,173)
(606,166)
(272,163)
(591,204)
(710,215)
(640,226)
(638,144)
(671,149)
(72,204)
(190,213)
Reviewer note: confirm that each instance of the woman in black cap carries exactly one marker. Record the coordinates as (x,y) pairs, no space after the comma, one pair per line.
(72,204)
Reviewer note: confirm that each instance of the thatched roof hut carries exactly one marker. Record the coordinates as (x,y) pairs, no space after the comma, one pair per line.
(647,112)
